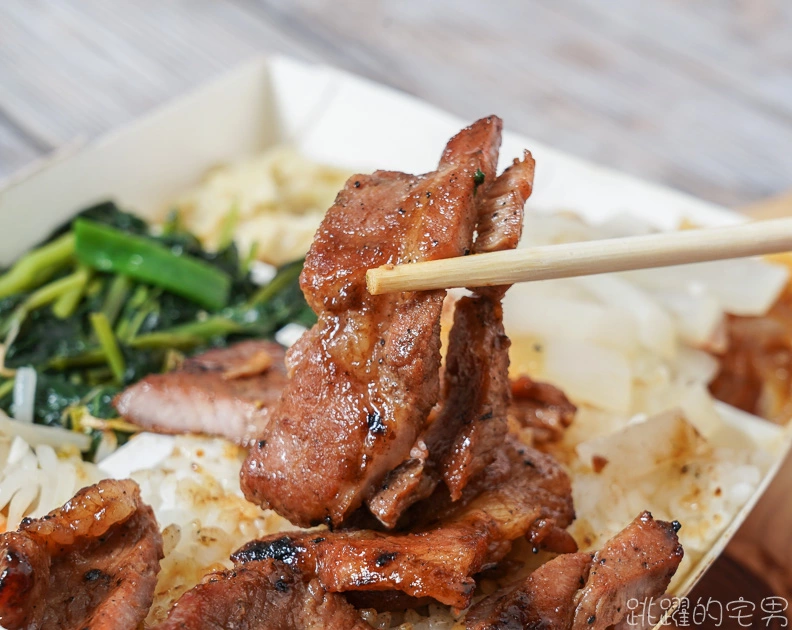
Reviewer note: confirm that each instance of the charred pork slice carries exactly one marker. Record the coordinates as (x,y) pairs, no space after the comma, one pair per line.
(365,377)
(227,392)
(472,421)
(265,595)
(90,565)
(583,591)
(522,493)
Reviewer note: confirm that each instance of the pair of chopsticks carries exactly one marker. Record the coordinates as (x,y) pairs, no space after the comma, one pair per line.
(586,258)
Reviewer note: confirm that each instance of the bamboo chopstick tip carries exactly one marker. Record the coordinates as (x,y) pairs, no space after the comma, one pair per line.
(372,281)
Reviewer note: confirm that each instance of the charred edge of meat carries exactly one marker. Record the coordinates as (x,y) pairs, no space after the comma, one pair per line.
(262,595)
(282,549)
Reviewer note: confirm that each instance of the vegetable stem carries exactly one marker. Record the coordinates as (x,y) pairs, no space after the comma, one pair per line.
(108,342)
(115,298)
(7,387)
(46,294)
(247,261)
(187,335)
(68,302)
(92,356)
(108,249)
(285,276)
(36,267)
(228,227)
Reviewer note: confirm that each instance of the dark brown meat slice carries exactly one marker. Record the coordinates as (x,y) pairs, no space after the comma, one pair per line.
(544,600)
(472,421)
(756,368)
(91,564)
(500,215)
(266,595)
(478,348)
(227,392)
(366,376)
(542,407)
(580,591)
(24,581)
(410,482)
(637,563)
(523,493)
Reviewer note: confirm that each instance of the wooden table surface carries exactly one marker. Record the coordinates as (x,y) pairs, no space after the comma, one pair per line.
(697,95)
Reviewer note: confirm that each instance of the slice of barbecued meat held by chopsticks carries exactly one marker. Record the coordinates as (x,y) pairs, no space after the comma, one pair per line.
(586,258)
(475,393)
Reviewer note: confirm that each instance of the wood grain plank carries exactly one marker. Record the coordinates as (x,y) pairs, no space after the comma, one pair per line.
(697,97)
(73,68)
(743,49)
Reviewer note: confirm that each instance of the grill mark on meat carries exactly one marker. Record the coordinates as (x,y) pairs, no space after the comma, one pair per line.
(91,564)
(542,407)
(355,406)
(450,541)
(262,595)
(227,392)
(582,590)
(472,421)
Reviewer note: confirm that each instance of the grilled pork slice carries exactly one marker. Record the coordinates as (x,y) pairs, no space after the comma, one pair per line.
(472,421)
(266,595)
(545,599)
(91,564)
(542,407)
(365,377)
(477,390)
(583,591)
(638,563)
(227,392)
(522,493)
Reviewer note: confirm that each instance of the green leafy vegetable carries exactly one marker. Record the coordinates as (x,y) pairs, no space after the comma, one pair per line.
(108,249)
(109,345)
(108,300)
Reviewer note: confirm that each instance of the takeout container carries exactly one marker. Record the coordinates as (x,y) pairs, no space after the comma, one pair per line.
(346,121)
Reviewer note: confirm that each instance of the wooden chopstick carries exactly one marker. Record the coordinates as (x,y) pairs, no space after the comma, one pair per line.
(586,258)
